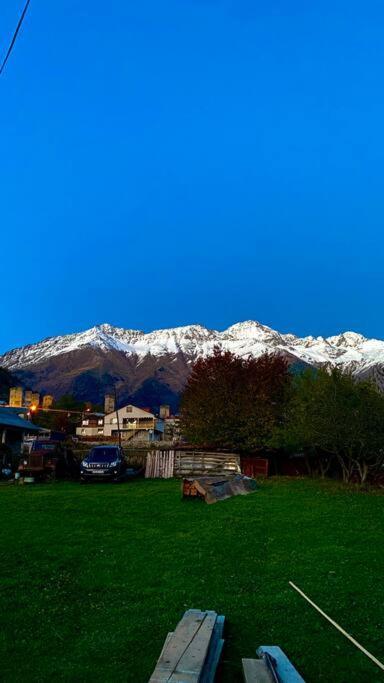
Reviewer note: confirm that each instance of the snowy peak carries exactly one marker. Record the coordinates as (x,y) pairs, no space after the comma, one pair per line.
(190,340)
(350,339)
(250,338)
(251,329)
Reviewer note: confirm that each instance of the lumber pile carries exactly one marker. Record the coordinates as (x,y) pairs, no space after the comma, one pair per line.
(165,464)
(206,463)
(191,653)
(213,489)
(272,666)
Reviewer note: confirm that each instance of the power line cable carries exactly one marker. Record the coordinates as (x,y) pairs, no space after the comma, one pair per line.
(14,37)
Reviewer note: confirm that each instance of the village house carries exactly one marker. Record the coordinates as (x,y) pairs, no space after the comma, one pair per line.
(135,424)
(92,424)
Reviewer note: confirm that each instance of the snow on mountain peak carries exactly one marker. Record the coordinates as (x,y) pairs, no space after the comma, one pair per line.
(189,339)
(251,329)
(247,326)
(352,339)
(248,338)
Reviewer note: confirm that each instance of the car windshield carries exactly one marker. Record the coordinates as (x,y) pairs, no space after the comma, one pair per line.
(103,455)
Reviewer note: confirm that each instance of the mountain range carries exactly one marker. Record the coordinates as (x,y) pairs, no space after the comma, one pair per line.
(151,368)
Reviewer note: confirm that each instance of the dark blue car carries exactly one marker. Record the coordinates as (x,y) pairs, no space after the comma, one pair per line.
(103,463)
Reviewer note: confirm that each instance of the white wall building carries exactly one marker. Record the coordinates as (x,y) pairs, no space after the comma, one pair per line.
(135,424)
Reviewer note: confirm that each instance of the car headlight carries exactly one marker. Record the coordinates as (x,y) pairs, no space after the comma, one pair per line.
(84,463)
(113,464)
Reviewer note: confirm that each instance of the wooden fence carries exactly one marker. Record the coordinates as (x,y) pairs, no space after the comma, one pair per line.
(202,463)
(160,464)
(167,464)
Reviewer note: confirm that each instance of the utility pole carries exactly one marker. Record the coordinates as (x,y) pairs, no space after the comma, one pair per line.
(117,415)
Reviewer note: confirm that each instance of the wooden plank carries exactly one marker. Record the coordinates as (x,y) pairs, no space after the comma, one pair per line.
(285,670)
(176,646)
(196,463)
(190,665)
(256,671)
(166,641)
(160,464)
(219,626)
(212,662)
(215,649)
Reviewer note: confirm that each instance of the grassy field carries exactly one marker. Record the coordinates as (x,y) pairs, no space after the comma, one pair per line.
(93,578)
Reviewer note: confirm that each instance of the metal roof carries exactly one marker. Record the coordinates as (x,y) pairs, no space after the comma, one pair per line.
(9,418)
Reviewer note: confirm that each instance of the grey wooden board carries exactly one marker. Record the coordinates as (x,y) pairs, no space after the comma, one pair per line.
(284,669)
(166,641)
(195,463)
(174,649)
(256,671)
(190,665)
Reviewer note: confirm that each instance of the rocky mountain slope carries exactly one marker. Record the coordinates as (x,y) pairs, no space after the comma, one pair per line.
(150,368)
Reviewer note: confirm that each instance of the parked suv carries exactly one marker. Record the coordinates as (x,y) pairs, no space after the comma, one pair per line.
(103,463)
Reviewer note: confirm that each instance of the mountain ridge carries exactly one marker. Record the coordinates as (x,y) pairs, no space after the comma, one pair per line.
(106,354)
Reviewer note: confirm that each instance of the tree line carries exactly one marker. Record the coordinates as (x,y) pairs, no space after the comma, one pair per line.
(252,404)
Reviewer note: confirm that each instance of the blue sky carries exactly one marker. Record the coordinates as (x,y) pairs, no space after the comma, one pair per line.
(164,163)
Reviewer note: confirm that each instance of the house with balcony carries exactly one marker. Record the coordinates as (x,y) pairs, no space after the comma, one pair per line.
(135,424)
(92,425)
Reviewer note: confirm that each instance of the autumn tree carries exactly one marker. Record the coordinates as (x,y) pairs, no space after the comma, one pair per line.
(232,402)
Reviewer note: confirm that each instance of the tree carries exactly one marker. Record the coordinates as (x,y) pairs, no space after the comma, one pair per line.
(330,416)
(67,417)
(232,402)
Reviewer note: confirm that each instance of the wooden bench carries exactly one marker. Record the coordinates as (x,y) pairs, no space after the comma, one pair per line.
(272,667)
(191,653)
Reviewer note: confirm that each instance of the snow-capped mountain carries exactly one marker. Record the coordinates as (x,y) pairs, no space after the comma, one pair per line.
(88,360)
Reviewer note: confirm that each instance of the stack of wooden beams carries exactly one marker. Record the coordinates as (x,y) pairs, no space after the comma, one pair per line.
(272,667)
(191,653)
(204,463)
(213,489)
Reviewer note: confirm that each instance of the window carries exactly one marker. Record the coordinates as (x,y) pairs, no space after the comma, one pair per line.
(99,422)
(85,422)
(129,409)
(114,421)
(100,431)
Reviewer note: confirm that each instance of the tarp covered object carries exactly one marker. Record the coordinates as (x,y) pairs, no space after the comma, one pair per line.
(213,489)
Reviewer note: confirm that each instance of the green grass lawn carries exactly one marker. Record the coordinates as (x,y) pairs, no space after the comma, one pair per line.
(93,577)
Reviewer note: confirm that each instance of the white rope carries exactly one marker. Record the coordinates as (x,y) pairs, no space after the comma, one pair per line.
(339,628)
